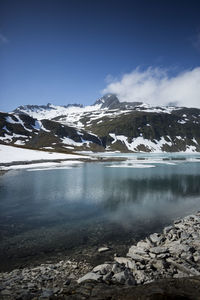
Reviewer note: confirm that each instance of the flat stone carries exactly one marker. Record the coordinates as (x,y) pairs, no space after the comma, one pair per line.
(103,249)
(138,257)
(137,250)
(103,269)
(163,255)
(158,250)
(176,247)
(89,276)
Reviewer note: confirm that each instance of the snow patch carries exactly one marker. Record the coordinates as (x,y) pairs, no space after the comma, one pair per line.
(9,154)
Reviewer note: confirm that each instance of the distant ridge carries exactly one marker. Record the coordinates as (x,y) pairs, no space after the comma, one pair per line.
(107,125)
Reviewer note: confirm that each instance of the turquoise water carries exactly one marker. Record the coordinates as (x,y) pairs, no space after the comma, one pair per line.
(60,209)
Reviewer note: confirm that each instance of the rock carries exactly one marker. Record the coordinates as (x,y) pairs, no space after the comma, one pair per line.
(175,254)
(183,268)
(167,229)
(126,261)
(89,276)
(137,250)
(103,249)
(144,245)
(163,255)
(103,269)
(107,277)
(130,281)
(158,250)
(117,268)
(155,238)
(120,277)
(152,255)
(158,264)
(196,258)
(46,293)
(139,276)
(138,257)
(175,247)
(6,292)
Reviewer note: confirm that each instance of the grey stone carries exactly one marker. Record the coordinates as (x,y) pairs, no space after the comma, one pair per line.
(103,249)
(176,247)
(108,276)
(183,268)
(167,229)
(117,268)
(137,257)
(120,277)
(158,264)
(155,238)
(46,293)
(89,276)
(196,258)
(158,250)
(144,245)
(126,261)
(137,250)
(139,276)
(102,269)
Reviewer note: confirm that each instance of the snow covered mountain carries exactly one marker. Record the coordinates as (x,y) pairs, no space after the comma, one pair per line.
(107,125)
(23,130)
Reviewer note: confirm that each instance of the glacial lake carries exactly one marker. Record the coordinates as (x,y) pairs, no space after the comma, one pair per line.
(49,213)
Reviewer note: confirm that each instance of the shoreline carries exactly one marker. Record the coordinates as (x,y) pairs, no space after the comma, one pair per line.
(172,254)
(4,167)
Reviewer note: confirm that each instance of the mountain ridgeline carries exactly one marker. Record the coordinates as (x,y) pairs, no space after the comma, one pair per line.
(107,125)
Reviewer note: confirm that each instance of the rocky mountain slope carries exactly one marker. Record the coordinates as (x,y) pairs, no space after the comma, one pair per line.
(23,130)
(108,125)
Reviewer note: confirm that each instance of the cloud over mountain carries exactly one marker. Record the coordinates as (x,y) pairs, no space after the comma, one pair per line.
(156,87)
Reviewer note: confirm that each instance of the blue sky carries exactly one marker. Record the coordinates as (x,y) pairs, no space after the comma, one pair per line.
(66,51)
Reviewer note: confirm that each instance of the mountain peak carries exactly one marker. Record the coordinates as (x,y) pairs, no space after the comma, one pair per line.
(111,101)
(108,101)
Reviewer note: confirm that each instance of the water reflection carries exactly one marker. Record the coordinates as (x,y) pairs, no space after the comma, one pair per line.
(65,203)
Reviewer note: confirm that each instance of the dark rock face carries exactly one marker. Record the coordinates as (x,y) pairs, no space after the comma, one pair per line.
(112,102)
(174,131)
(23,130)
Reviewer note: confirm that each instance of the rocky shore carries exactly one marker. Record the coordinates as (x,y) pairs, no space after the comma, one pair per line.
(169,256)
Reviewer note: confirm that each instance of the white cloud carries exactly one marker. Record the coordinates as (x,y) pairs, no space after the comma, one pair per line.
(156,87)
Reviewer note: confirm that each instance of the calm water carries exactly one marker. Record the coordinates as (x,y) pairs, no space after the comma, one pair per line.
(51,211)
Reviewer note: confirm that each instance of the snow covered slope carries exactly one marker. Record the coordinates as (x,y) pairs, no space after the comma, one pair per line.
(107,125)
(9,154)
(24,130)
